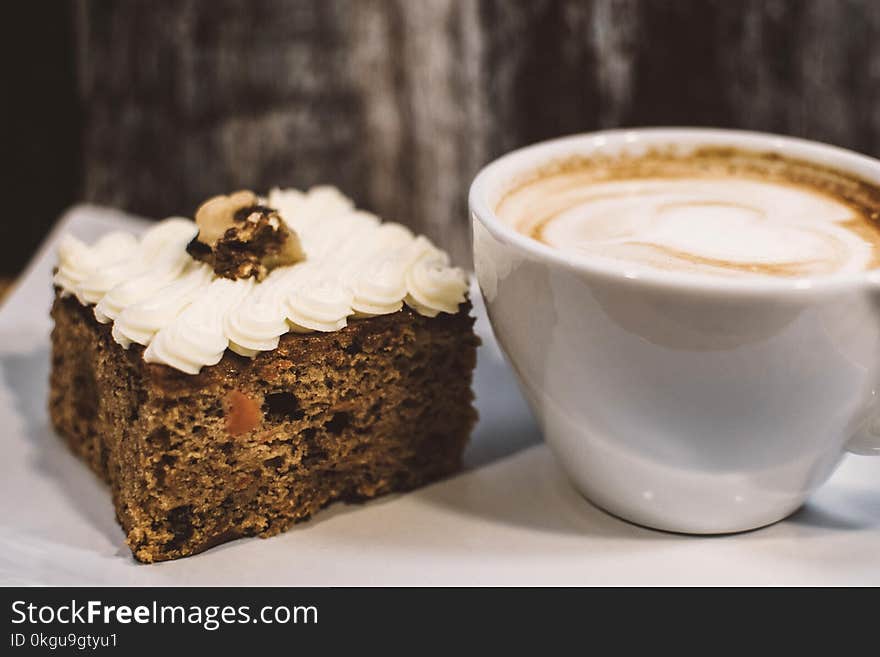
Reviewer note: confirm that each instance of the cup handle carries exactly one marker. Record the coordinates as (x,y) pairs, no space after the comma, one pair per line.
(866,441)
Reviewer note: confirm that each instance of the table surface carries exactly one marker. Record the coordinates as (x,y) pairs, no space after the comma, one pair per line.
(510,518)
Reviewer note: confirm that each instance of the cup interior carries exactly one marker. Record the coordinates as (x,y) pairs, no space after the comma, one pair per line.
(497,177)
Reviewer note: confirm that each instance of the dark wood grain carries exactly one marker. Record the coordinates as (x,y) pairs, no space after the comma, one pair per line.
(399,102)
(39,125)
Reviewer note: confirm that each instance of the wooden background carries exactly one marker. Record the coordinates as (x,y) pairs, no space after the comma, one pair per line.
(155,105)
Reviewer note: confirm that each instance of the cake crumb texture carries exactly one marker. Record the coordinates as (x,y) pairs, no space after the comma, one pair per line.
(249,447)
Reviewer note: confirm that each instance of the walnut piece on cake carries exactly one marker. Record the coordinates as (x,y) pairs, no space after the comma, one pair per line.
(240,238)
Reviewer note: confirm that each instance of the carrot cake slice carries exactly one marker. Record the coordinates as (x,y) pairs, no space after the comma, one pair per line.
(232,375)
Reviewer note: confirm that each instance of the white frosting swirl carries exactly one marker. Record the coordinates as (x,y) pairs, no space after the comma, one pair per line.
(318,304)
(433,286)
(258,322)
(197,336)
(157,296)
(141,321)
(78,262)
(380,288)
(170,235)
(160,260)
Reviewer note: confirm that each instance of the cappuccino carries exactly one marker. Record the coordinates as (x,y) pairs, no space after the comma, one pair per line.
(718,211)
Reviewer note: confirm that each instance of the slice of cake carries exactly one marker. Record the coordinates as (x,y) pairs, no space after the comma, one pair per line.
(231,376)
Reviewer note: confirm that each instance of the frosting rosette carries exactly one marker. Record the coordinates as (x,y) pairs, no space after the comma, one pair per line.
(160,261)
(355,266)
(196,337)
(319,304)
(158,251)
(78,262)
(257,323)
(380,289)
(434,287)
(139,322)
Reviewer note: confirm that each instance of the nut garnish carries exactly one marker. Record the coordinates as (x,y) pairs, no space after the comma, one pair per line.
(240,238)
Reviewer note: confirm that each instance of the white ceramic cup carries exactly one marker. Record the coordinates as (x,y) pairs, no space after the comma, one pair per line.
(680,401)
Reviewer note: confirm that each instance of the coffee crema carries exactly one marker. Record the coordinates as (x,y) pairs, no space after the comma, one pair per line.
(716,211)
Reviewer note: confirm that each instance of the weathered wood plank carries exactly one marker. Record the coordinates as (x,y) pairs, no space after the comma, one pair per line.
(399,102)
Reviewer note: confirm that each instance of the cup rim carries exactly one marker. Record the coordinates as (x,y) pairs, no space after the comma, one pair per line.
(494,174)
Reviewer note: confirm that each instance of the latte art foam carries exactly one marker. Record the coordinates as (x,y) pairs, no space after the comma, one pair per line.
(714,222)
